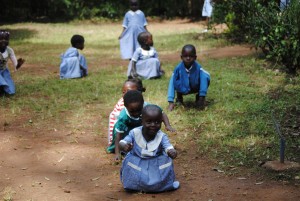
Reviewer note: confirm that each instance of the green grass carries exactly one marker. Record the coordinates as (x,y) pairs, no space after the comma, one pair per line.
(236,127)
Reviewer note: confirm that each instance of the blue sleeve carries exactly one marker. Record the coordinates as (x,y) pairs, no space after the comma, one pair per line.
(130,137)
(135,56)
(204,82)
(171,89)
(166,143)
(125,21)
(144,19)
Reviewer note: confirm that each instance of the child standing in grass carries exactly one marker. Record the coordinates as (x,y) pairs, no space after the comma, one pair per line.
(144,62)
(134,23)
(7,85)
(73,64)
(188,77)
(130,84)
(148,166)
(130,117)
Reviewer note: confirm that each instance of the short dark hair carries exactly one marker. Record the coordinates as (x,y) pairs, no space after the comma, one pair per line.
(138,83)
(142,37)
(77,39)
(189,47)
(133,96)
(4,34)
(151,107)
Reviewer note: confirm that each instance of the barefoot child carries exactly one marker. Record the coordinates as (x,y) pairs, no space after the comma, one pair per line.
(144,62)
(134,23)
(7,85)
(130,117)
(130,84)
(188,77)
(148,166)
(73,64)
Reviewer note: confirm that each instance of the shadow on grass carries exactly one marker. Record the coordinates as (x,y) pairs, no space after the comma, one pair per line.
(21,34)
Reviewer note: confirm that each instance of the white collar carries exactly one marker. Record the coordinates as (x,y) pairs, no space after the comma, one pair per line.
(141,141)
(134,118)
(135,12)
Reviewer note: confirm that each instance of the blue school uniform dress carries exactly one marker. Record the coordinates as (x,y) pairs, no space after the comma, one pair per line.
(185,81)
(147,63)
(70,64)
(6,81)
(207,8)
(147,167)
(133,23)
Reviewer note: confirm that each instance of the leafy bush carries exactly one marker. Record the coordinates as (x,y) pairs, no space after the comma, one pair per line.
(262,23)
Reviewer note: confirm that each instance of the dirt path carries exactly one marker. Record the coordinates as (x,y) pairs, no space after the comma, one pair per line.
(66,162)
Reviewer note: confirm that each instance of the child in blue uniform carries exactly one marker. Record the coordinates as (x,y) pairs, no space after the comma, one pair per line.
(134,23)
(130,118)
(188,77)
(148,166)
(7,85)
(144,62)
(73,64)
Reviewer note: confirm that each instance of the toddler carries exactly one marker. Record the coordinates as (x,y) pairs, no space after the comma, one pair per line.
(134,23)
(130,84)
(130,117)
(188,77)
(148,166)
(144,62)
(73,64)
(7,85)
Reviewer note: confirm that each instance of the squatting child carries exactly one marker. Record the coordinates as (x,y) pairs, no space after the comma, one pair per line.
(148,166)
(188,77)
(73,64)
(130,117)
(7,85)
(134,23)
(130,84)
(144,62)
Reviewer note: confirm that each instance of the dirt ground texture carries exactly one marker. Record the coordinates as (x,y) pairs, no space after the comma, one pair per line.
(63,162)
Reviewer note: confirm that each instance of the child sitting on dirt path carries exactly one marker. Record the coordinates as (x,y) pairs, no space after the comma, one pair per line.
(144,62)
(148,167)
(73,64)
(130,84)
(188,77)
(134,23)
(7,85)
(130,118)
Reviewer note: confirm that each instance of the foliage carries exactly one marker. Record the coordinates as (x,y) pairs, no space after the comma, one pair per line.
(275,31)
(50,10)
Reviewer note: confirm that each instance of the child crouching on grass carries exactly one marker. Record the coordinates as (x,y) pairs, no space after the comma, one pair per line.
(7,85)
(73,64)
(188,77)
(148,166)
(130,118)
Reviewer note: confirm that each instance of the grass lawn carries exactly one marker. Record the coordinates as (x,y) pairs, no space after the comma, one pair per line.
(236,128)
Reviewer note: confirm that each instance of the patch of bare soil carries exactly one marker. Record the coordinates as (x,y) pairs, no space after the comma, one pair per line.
(60,161)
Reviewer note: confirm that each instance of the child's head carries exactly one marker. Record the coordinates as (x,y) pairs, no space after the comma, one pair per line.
(133,84)
(4,40)
(151,120)
(134,5)
(134,102)
(188,55)
(145,39)
(77,41)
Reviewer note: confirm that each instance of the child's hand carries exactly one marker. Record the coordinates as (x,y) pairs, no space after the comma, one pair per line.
(20,63)
(127,147)
(169,128)
(172,153)
(133,74)
(171,106)
(118,157)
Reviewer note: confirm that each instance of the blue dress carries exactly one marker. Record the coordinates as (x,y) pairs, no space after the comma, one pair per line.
(147,63)
(70,64)
(134,23)
(6,81)
(194,80)
(147,167)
